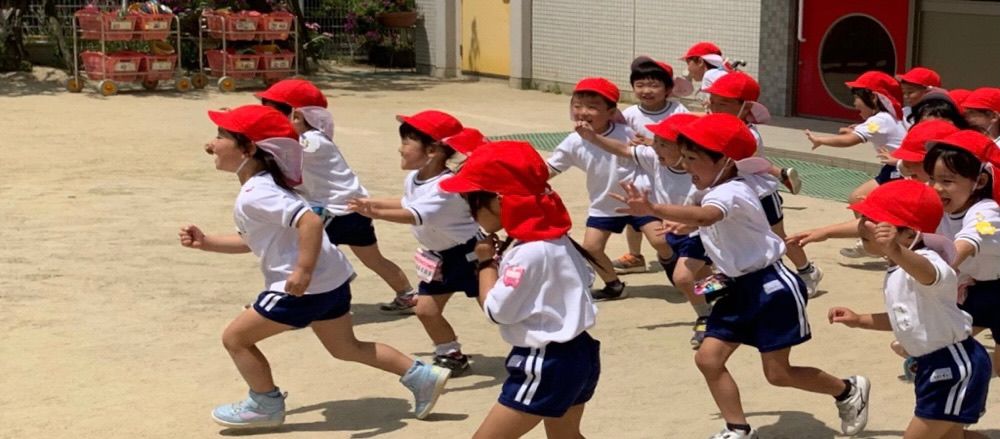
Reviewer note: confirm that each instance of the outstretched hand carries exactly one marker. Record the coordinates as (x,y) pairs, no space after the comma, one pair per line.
(636,199)
(814,140)
(840,314)
(361,205)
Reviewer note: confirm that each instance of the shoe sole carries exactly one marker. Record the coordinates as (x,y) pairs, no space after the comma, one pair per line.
(631,270)
(610,298)
(851,254)
(268,424)
(866,387)
(794,181)
(439,383)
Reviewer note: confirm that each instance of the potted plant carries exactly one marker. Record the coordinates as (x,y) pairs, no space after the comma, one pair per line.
(369,24)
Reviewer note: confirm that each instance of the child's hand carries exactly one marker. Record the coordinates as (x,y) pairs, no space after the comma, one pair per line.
(191,236)
(639,139)
(885,236)
(586,131)
(885,157)
(361,205)
(815,140)
(676,228)
(807,237)
(839,314)
(297,282)
(486,248)
(637,201)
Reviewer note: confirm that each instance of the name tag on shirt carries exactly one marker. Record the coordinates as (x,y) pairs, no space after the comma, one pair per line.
(512,276)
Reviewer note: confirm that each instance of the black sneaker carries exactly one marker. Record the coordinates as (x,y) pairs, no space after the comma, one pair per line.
(457,362)
(610,293)
(700,326)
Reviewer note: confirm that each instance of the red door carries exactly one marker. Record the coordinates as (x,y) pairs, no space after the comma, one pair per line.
(843,39)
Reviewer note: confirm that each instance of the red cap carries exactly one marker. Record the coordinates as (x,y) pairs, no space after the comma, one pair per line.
(434,123)
(913,148)
(257,122)
(701,49)
(903,203)
(600,86)
(881,83)
(646,59)
(736,85)
(959,95)
(921,76)
(529,209)
(670,127)
(465,141)
(985,98)
(296,93)
(722,133)
(972,141)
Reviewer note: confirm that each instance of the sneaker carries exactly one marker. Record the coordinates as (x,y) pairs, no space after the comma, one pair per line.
(811,280)
(427,384)
(402,304)
(258,410)
(610,293)
(854,409)
(909,369)
(629,263)
(700,326)
(456,362)
(738,434)
(855,252)
(790,178)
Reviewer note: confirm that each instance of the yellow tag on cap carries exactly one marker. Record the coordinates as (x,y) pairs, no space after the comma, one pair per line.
(873,127)
(984,227)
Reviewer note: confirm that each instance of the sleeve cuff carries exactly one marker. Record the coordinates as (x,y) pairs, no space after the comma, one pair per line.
(301,210)
(971,240)
(419,219)
(717,205)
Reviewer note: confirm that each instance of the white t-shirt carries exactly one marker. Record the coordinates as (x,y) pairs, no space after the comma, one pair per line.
(327,180)
(882,131)
(443,219)
(638,118)
(604,170)
(669,185)
(984,264)
(266,216)
(742,242)
(756,136)
(907,111)
(542,294)
(925,318)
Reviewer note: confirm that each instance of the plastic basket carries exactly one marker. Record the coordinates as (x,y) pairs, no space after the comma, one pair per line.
(237,66)
(275,26)
(118,66)
(158,67)
(154,26)
(115,28)
(277,65)
(242,26)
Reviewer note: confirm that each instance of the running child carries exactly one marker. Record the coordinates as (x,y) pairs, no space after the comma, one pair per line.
(306,279)
(328,183)
(705,63)
(536,290)
(952,368)
(440,222)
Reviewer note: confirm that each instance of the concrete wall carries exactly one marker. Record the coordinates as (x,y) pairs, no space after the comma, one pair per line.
(436,38)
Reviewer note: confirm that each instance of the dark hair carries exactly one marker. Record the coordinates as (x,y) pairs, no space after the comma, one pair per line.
(961,162)
(684,142)
(407,131)
(594,94)
(280,106)
(650,70)
(265,158)
(939,107)
(868,98)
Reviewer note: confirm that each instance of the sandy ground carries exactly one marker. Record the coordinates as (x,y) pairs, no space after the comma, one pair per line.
(110,329)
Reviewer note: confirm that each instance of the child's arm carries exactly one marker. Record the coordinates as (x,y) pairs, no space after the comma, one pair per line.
(917,266)
(877,322)
(310,228)
(963,250)
(488,274)
(192,237)
(612,146)
(842,140)
(393,212)
(846,229)
(383,203)
(639,205)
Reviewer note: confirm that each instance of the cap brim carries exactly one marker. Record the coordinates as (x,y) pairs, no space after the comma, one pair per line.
(458,184)
(663,132)
(224,120)
(855,84)
(874,213)
(907,156)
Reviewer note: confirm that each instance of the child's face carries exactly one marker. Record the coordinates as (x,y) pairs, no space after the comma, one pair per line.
(412,154)
(299,122)
(651,93)
(866,230)
(719,104)
(228,155)
(488,216)
(696,67)
(955,190)
(668,152)
(912,93)
(914,170)
(592,109)
(982,120)
(702,168)
(863,109)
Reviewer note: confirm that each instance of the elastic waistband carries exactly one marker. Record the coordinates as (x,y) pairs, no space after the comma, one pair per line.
(773,268)
(944,350)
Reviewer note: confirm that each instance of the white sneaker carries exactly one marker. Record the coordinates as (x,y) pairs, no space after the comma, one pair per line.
(811,280)
(854,409)
(857,251)
(738,434)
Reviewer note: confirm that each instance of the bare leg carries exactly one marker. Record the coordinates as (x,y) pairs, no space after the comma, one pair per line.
(595,241)
(780,373)
(566,427)
(240,339)
(685,274)
(862,191)
(634,240)
(711,361)
(794,252)
(338,338)
(656,240)
(504,422)
(384,268)
(921,428)
(429,309)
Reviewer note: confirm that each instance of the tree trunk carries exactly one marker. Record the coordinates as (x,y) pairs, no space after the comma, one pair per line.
(57,33)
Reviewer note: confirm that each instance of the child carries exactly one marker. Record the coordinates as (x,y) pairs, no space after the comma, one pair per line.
(652,82)
(959,95)
(982,111)
(329,183)
(915,84)
(735,93)
(762,303)
(953,369)
(442,224)
(537,292)
(306,279)
(593,108)
(876,97)
(705,63)
(937,104)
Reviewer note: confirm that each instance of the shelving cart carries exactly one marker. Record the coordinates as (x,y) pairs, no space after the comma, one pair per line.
(228,65)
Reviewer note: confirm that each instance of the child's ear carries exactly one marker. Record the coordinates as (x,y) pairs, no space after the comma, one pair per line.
(982,180)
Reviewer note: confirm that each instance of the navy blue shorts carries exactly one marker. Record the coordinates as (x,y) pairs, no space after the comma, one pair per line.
(352,229)
(952,382)
(772,208)
(765,309)
(547,381)
(458,272)
(983,303)
(302,310)
(616,224)
(887,173)
(687,246)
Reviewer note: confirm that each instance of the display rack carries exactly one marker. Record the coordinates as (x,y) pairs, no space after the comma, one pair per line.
(264,61)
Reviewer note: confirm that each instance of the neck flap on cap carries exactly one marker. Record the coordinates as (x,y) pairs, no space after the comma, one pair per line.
(319,118)
(288,154)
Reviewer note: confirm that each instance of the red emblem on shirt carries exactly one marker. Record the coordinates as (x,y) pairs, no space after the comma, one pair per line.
(512,276)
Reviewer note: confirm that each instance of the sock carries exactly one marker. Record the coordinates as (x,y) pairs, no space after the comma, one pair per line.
(668,267)
(702,309)
(447,348)
(745,428)
(409,292)
(276,393)
(848,387)
(808,268)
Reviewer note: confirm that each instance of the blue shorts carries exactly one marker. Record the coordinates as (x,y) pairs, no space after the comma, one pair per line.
(687,246)
(983,303)
(772,208)
(887,173)
(352,229)
(616,224)
(952,382)
(302,310)
(458,272)
(547,381)
(765,309)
